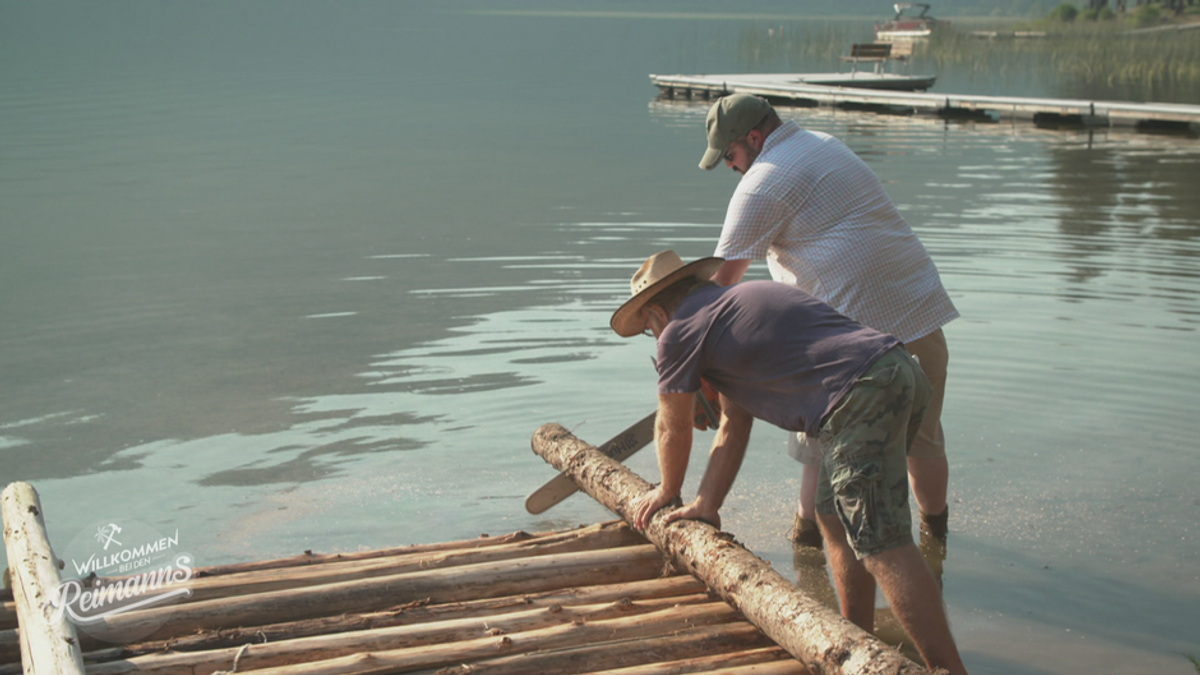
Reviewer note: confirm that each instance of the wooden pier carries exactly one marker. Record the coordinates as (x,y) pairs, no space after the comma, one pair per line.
(795,90)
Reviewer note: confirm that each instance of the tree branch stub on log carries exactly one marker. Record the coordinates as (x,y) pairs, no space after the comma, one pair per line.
(817,636)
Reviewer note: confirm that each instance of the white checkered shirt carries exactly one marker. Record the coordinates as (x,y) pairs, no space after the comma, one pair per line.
(821,219)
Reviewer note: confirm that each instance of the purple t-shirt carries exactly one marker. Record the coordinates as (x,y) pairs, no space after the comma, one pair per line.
(776,351)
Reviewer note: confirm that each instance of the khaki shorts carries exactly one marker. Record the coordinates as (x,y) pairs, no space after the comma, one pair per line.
(931,352)
(865,442)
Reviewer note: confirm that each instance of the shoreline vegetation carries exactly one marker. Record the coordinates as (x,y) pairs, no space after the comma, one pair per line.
(1140,55)
(1136,52)
(1095,59)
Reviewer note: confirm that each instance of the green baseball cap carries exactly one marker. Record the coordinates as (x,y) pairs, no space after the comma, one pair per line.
(730,118)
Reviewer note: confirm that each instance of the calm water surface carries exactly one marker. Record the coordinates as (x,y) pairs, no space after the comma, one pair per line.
(286,275)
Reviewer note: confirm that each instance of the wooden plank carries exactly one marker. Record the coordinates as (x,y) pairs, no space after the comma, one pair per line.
(49,645)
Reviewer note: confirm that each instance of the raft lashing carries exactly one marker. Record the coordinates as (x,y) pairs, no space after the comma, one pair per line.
(594,599)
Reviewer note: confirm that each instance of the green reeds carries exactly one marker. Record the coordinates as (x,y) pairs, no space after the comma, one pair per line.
(792,46)
(1095,59)
(1104,60)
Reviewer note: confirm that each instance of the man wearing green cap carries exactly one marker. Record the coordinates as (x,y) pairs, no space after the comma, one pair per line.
(822,221)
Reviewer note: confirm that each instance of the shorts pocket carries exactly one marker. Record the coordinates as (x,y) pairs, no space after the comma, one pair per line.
(857,493)
(879,376)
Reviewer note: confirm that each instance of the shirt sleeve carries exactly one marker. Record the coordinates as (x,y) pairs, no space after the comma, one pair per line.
(678,368)
(751,224)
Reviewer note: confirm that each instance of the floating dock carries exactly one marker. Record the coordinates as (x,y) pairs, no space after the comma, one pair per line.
(803,91)
(855,79)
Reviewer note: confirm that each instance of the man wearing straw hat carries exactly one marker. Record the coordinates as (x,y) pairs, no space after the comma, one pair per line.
(776,353)
(821,219)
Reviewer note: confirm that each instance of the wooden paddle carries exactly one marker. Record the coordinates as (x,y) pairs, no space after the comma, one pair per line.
(619,447)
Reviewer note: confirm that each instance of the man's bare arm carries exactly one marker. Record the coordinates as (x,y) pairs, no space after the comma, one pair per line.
(673,436)
(724,462)
(731,271)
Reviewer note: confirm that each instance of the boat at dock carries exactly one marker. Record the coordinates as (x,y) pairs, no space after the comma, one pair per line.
(862,80)
(704,86)
(912,22)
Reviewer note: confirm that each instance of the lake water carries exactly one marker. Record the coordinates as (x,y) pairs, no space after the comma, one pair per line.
(300,275)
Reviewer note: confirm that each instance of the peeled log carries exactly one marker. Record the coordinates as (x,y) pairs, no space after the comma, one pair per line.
(47,637)
(816,635)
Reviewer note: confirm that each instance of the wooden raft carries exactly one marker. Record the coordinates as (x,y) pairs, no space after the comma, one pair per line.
(589,600)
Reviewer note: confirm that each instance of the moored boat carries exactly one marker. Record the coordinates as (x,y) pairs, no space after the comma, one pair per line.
(912,22)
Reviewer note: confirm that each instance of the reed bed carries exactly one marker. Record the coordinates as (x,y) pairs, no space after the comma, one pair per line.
(1086,59)
(1092,59)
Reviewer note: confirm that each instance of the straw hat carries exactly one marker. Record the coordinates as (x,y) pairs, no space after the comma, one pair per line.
(659,271)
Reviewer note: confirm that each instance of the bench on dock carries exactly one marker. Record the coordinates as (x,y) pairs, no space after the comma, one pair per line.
(877,53)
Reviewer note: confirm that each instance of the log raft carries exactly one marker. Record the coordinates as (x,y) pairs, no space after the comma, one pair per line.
(594,599)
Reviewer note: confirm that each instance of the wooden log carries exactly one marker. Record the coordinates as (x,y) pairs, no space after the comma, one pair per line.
(397,639)
(468,582)
(682,589)
(559,637)
(761,661)
(720,640)
(308,558)
(283,573)
(774,661)
(606,535)
(10,646)
(48,642)
(816,635)
(676,590)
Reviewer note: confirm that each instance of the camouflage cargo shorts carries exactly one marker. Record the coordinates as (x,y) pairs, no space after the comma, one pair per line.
(865,441)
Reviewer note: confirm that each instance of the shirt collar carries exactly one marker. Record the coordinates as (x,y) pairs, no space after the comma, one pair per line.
(781,134)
